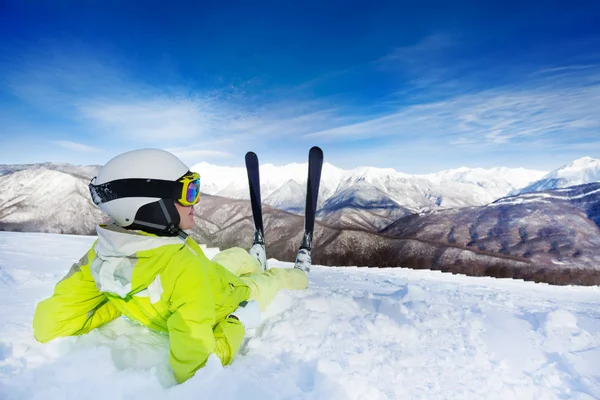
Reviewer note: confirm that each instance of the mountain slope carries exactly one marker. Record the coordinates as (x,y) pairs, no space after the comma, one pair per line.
(48,199)
(553,229)
(361,206)
(289,197)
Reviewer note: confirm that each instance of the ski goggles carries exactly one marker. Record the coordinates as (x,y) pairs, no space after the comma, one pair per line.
(186,190)
(190,189)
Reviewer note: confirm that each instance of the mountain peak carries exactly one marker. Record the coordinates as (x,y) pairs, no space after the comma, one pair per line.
(578,169)
(578,172)
(584,162)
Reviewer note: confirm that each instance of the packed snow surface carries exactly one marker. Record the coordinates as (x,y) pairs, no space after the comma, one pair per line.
(356,333)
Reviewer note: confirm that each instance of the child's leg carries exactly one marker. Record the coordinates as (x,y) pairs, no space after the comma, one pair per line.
(237,260)
(264,286)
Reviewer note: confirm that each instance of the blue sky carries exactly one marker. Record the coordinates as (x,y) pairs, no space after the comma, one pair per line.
(415,86)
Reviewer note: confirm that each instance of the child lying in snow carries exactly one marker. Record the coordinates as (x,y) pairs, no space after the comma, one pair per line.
(145,267)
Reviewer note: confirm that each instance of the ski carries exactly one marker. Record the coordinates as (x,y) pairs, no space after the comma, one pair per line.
(257,250)
(315,164)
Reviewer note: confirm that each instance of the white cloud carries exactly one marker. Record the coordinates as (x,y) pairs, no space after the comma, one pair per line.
(102,98)
(150,120)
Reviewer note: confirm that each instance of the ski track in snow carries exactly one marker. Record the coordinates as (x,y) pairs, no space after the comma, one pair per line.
(356,333)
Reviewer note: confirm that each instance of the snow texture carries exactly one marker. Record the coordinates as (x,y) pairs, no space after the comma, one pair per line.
(356,333)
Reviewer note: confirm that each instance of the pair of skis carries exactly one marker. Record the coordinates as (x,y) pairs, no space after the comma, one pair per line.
(258,250)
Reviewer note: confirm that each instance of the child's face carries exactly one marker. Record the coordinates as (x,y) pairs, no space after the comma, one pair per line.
(186,216)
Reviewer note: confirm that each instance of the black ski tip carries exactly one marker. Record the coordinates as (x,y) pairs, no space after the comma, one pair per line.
(315,151)
(251,158)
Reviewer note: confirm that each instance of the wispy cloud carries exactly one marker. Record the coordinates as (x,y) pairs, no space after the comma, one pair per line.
(421,51)
(104,99)
(429,64)
(568,68)
(74,146)
(151,120)
(499,116)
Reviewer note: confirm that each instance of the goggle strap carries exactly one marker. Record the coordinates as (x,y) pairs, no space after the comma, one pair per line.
(135,187)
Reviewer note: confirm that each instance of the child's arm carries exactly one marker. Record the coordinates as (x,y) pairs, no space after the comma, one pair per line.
(193,334)
(75,308)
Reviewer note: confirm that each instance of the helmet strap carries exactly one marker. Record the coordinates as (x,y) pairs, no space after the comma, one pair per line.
(158,211)
(171,228)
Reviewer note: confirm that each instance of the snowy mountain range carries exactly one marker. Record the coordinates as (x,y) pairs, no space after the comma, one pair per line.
(373,198)
(367,217)
(283,186)
(33,196)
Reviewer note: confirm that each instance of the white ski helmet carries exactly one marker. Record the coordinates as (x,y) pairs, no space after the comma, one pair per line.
(134,189)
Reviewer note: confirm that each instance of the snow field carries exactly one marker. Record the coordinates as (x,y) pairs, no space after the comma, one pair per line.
(356,333)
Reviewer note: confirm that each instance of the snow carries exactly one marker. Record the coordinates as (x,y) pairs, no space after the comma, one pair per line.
(578,172)
(541,197)
(356,333)
(228,181)
(492,178)
(518,200)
